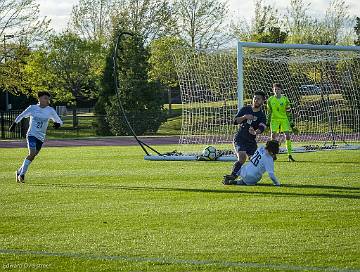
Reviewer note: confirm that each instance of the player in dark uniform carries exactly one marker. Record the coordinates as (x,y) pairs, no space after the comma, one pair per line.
(251,120)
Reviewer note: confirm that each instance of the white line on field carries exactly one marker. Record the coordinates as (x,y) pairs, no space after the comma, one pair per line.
(174,261)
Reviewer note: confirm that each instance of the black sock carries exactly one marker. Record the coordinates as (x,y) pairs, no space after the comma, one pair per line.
(236,168)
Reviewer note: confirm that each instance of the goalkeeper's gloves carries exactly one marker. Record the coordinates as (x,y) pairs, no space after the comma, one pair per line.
(56,125)
(12,127)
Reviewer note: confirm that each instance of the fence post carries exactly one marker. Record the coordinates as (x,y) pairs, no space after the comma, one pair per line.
(2,125)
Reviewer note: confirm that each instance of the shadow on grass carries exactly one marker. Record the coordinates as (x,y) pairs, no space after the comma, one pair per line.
(229,190)
(318,162)
(312,186)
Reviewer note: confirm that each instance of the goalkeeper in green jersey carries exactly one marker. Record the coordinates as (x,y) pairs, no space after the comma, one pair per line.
(279,117)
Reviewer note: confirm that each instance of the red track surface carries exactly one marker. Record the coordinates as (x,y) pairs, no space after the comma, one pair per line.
(107,141)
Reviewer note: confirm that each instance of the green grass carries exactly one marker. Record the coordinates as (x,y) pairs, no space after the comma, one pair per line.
(106,209)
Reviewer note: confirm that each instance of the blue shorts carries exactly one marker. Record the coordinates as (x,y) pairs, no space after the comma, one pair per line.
(34,143)
(249,148)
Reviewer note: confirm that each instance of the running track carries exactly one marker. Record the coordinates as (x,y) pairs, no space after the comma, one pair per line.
(106,141)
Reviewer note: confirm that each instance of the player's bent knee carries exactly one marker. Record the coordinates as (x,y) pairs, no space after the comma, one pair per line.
(241,156)
(32,154)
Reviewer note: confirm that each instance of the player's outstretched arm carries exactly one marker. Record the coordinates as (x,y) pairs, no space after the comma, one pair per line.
(57,121)
(274,179)
(24,114)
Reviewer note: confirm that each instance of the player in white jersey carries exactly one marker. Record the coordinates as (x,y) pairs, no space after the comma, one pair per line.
(262,161)
(40,115)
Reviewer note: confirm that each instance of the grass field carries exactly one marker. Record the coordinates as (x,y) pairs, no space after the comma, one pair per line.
(106,209)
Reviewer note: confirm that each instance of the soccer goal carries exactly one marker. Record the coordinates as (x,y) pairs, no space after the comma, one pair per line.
(321,81)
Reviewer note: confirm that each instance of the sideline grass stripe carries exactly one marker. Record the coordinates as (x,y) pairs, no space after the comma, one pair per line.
(174,261)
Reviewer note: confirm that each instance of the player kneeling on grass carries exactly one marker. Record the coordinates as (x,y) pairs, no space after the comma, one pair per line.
(262,161)
(39,118)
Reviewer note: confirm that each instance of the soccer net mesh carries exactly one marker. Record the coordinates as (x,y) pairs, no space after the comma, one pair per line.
(322,85)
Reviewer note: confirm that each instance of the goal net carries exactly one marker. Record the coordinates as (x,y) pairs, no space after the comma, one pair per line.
(322,82)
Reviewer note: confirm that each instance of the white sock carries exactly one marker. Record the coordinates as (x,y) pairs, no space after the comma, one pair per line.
(24,167)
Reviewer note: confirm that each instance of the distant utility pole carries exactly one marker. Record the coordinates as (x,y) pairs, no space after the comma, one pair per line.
(6,37)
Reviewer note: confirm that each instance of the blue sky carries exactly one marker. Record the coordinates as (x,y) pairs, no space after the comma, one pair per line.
(59,11)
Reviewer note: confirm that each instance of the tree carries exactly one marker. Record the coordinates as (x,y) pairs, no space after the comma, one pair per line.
(21,18)
(335,21)
(303,28)
(12,77)
(357,31)
(202,23)
(91,19)
(162,67)
(297,21)
(69,66)
(265,26)
(161,62)
(96,20)
(142,100)
(149,18)
(20,21)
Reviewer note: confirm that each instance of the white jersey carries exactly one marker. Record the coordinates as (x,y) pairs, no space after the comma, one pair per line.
(39,120)
(259,163)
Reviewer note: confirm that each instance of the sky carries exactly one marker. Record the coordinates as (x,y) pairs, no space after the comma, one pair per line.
(59,11)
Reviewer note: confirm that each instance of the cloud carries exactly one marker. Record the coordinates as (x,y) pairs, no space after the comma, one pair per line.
(245,8)
(58,11)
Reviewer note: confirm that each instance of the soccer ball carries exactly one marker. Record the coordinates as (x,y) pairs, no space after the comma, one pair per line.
(209,153)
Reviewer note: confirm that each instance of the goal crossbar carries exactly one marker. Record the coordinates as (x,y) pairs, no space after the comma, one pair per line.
(299,46)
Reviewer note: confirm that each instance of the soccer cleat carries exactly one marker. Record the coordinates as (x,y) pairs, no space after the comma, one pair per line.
(19,178)
(290,158)
(229,180)
(16,176)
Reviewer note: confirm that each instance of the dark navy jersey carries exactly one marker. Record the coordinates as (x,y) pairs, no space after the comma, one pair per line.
(243,135)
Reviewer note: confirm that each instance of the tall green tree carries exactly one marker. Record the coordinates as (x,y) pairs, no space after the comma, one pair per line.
(68,66)
(203,23)
(357,31)
(162,67)
(12,78)
(20,28)
(142,100)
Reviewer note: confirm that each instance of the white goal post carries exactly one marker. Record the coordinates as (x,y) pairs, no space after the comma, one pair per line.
(321,81)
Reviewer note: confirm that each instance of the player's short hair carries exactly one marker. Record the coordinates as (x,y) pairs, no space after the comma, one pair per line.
(277,85)
(261,93)
(273,146)
(42,93)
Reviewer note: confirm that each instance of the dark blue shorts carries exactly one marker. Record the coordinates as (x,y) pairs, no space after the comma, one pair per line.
(34,143)
(249,148)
